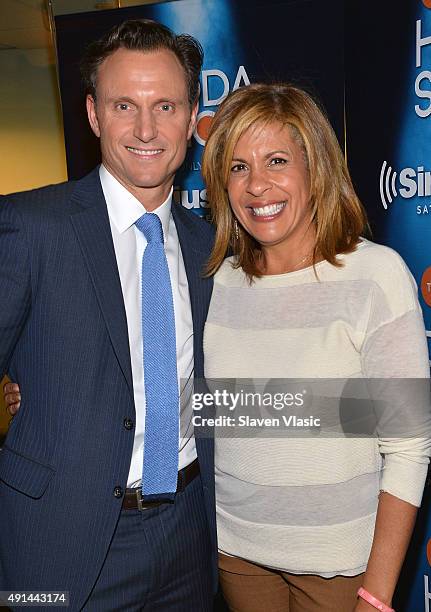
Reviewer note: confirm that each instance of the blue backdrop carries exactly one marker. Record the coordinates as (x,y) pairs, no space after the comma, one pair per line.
(388,109)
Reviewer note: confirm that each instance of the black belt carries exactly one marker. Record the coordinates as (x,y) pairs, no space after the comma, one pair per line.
(132,499)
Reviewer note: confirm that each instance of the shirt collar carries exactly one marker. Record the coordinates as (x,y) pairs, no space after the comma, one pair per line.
(124,209)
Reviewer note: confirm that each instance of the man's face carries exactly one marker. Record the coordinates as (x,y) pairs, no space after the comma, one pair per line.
(143,118)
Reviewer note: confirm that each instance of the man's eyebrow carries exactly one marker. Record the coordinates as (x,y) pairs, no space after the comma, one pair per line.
(161,100)
(171,100)
(120,99)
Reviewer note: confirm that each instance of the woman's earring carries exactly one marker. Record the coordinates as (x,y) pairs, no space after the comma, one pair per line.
(236,229)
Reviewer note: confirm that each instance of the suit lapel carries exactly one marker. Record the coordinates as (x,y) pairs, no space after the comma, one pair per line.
(195,248)
(195,252)
(91,224)
(89,217)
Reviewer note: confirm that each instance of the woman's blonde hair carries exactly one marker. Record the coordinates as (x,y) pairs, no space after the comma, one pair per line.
(337,213)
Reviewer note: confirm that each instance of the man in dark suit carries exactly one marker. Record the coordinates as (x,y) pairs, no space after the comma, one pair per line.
(76,511)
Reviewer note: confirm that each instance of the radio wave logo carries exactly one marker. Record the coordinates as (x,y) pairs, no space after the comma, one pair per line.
(407,183)
(388,190)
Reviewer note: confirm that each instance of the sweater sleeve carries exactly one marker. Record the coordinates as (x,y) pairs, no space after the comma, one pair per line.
(395,362)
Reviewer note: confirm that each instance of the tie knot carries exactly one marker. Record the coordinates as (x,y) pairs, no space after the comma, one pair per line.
(151,226)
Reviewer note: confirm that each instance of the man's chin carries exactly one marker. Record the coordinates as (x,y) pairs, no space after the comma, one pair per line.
(145,182)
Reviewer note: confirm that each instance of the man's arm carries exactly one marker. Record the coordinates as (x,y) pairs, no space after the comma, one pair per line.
(15,287)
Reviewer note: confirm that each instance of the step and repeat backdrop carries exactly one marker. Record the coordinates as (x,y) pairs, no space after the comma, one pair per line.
(370,65)
(388,136)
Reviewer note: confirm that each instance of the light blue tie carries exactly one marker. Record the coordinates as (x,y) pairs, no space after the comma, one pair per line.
(160,469)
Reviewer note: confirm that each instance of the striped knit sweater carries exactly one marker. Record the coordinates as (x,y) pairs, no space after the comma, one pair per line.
(308,505)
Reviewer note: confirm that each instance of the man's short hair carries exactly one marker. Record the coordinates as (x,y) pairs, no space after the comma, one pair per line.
(144,35)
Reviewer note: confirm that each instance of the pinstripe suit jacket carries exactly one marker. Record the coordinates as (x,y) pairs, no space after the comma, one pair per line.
(63,338)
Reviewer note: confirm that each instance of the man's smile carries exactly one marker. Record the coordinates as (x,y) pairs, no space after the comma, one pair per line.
(145,152)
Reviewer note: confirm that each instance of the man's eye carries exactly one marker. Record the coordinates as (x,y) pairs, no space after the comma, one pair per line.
(123,106)
(166,107)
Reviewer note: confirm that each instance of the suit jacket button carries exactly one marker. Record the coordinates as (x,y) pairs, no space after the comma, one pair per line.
(128,423)
(118,492)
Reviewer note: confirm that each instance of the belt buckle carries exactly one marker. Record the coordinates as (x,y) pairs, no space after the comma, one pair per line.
(139,499)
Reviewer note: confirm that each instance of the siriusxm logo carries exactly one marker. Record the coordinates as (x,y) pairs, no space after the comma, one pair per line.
(407,183)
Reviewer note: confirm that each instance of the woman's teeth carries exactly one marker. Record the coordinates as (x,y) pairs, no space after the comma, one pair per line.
(269,210)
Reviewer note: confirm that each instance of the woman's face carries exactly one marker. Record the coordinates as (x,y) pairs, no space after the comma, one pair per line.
(268,186)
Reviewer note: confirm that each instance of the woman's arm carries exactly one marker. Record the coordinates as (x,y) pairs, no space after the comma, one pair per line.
(394,526)
(395,363)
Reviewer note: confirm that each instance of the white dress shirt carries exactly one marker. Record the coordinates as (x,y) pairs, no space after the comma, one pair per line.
(129,245)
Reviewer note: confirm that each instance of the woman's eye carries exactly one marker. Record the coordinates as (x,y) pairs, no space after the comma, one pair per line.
(275,161)
(238,167)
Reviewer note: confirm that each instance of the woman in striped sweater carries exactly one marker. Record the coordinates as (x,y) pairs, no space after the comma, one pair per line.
(306,521)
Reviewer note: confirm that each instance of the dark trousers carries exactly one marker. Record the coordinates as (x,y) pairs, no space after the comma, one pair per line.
(159,560)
